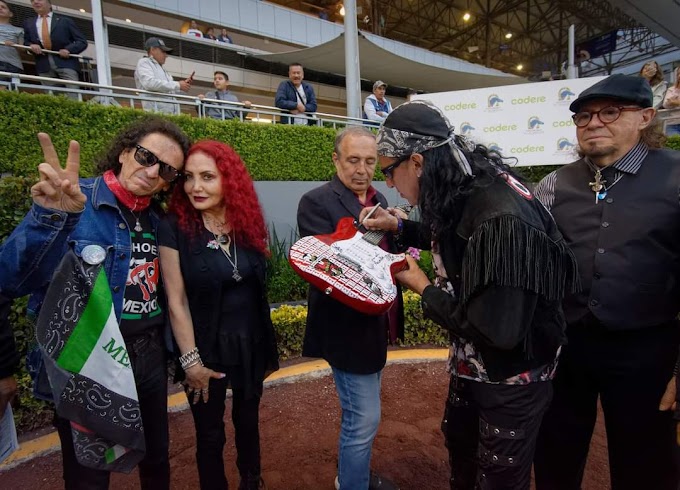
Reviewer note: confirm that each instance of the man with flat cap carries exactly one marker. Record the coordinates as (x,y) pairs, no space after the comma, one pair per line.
(151,76)
(619,211)
(376,106)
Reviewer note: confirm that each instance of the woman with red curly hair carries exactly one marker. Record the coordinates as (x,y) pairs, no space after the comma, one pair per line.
(213,249)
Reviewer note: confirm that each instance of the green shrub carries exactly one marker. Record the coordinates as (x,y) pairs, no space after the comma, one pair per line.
(271,151)
(673,142)
(283,283)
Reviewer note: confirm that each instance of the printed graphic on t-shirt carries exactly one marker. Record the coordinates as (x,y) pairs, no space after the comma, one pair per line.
(141,292)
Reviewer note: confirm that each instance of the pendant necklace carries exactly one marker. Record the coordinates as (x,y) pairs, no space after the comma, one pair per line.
(234,263)
(598,184)
(221,237)
(138,226)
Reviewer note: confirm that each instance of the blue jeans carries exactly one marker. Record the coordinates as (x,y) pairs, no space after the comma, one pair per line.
(359,396)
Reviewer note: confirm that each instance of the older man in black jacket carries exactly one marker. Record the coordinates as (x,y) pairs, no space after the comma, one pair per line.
(353,343)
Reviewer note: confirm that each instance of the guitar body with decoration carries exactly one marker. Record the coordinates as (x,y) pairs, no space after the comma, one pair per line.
(349,266)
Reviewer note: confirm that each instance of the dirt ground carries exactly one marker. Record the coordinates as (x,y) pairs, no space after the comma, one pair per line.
(300,423)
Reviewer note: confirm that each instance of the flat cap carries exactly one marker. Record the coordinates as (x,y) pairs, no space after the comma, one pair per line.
(155,42)
(629,88)
(379,83)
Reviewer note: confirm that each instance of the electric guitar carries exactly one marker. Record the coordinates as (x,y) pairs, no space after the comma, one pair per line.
(349,266)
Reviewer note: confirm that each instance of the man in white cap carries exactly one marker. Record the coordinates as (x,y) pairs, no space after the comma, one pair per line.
(151,76)
(377,107)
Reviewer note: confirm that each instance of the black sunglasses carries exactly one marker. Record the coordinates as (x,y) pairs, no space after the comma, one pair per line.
(389,170)
(147,159)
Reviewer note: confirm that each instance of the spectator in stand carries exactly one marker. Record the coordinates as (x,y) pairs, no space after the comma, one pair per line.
(194,30)
(53,32)
(151,76)
(222,92)
(672,101)
(9,34)
(224,37)
(210,34)
(653,73)
(323,14)
(296,96)
(377,107)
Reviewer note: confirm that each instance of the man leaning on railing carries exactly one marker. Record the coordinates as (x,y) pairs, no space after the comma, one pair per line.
(54,32)
(222,92)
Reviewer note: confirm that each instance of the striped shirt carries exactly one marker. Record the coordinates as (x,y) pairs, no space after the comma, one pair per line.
(629,163)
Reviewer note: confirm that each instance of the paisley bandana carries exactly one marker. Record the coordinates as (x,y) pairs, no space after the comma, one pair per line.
(396,143)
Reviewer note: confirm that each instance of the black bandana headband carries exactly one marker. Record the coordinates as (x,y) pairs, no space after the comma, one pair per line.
(396,143)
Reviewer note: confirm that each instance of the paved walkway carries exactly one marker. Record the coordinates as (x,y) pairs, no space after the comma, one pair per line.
(177,402)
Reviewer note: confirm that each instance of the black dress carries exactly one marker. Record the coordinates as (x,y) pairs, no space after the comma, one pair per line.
(232,325)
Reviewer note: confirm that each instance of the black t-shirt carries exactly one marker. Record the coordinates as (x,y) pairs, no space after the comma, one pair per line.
(141,308)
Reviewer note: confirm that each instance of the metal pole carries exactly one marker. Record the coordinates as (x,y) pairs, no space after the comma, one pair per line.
(571,69)
(101,43)
(352,75)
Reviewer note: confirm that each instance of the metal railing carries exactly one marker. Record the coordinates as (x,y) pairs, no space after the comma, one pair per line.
(173,104)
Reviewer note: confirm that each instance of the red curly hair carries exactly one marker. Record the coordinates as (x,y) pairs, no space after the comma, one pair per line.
(243,210)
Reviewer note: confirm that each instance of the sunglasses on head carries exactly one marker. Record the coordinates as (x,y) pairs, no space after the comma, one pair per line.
(147,159)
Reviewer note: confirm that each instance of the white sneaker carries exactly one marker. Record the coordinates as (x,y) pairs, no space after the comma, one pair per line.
(337,483)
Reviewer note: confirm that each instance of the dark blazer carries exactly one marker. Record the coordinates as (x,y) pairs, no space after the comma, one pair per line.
(287,98)
(64,35)
(347,339)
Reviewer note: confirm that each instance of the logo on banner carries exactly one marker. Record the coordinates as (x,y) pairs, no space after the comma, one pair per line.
(534,125)
(494,103)
(460,106)
(565,146)
(466,128)
(565,94)
(494,147)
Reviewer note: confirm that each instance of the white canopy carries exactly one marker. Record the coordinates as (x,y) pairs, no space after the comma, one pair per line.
(377,63)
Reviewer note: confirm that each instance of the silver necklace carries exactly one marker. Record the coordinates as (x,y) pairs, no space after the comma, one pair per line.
(598,186)
(234,263)
(221,237)
(138,226)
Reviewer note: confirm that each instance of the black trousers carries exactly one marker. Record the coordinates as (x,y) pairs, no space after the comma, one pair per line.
(629,370)
(210,437)
(148,359)
(491,431)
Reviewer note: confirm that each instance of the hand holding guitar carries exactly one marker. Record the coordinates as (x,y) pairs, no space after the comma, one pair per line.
(413,277)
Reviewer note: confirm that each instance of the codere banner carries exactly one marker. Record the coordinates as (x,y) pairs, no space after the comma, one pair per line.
(531,122)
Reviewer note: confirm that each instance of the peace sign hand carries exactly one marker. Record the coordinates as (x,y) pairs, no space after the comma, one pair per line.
(58,187)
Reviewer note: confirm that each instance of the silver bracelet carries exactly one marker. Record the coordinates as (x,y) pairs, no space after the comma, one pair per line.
(190,359)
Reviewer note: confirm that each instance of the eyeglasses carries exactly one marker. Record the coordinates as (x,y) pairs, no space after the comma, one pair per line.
(147,159)
(606,115)
(389,170)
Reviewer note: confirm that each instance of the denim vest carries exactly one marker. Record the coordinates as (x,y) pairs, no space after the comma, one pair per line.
(31,254)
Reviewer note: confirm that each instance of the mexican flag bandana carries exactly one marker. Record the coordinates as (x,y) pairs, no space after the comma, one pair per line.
(88,366)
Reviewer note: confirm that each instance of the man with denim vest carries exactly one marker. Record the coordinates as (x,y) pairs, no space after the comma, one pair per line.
(108,221)
(618,208)
(377,107)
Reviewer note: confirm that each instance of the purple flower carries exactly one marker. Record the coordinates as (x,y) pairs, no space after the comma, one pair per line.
(414,252)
